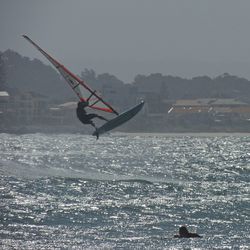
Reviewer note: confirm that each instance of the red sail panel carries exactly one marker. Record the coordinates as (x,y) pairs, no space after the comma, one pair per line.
(82,90)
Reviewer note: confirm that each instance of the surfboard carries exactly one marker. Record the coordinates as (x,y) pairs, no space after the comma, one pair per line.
(119,120)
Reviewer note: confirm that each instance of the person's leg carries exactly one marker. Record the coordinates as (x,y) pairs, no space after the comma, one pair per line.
(97,134)
(102,118)
(92,116)
(92,124)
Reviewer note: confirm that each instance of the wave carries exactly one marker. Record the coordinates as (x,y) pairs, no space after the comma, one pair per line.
(21,170)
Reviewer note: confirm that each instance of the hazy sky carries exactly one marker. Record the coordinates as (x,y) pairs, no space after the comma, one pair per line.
(129,37)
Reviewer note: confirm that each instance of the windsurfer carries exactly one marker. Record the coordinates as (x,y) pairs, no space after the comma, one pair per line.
(184,233)
(82,90)
(87,118)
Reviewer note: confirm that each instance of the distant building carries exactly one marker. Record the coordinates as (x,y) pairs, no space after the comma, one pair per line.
(28,107)
(62,114)
(4,100)
(4,104)
(210,105)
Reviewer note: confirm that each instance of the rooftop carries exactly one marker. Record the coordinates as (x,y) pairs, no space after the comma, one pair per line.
(68,105)
(4,94)
(209,102)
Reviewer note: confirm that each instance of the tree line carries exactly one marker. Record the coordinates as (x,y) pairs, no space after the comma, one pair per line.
(19,73)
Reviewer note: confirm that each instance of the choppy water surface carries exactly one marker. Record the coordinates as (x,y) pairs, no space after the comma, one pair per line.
(123,192)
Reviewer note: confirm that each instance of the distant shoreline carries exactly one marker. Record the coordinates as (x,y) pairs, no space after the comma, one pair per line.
(174,134)
(86,131)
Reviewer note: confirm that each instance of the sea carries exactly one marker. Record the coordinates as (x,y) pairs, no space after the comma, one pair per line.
(124,191)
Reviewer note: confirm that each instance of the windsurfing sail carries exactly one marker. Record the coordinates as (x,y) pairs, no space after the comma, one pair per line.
(82,90)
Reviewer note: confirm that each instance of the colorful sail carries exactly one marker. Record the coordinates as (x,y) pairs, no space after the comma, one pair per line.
(82,90)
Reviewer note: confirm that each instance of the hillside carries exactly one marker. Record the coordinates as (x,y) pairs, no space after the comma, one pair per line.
(33,75)
(170,87)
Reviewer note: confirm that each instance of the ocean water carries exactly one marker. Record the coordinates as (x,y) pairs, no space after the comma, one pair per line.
(124,191)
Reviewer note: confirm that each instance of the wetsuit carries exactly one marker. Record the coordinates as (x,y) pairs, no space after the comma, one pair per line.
(84,117)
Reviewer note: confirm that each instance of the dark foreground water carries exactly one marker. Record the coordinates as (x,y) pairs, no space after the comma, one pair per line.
(123,192)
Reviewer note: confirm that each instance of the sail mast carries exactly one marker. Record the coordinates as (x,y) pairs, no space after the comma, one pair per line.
(76,83)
